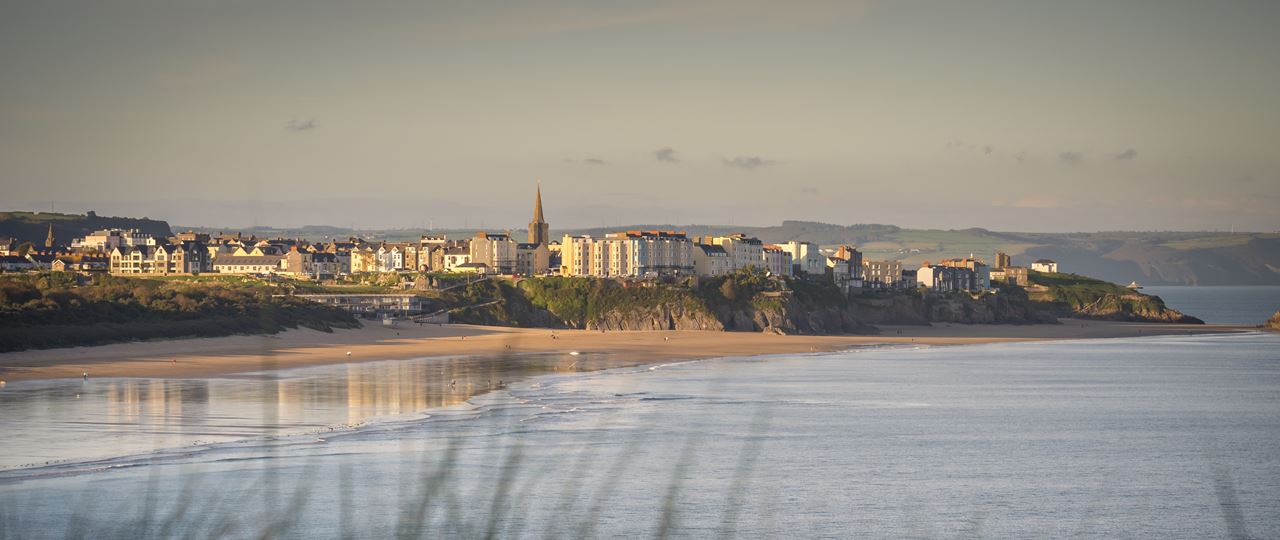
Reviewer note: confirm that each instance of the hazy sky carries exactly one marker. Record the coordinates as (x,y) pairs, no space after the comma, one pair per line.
(1020,115)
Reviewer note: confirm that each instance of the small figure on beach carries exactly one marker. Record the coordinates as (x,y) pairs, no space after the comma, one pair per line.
(86,375)
(348,353)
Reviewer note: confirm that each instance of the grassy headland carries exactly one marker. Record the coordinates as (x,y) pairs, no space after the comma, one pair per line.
(1084,297)
(54,309)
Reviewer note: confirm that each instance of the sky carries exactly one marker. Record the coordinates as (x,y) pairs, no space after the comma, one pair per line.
(1022,115)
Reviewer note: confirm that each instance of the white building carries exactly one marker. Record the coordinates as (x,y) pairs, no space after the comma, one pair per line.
(628,254)
(658,253)
(497,251)
(454,258)
(575,255)
(941,278)
(106,240)
(711,260)
(1045,265)
(777,260)
(390,258)
(806,257)
(743,251)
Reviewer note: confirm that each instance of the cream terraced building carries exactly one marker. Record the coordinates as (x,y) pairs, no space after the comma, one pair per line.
(628,254)
(182,258)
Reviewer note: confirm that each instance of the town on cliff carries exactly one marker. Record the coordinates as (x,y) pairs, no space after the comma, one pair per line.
(712,282)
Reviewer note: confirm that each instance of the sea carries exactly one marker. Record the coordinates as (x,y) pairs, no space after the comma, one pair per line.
(1244,305)
(1152,437)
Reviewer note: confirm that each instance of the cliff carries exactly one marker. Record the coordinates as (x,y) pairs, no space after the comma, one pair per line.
(1273,323)
(1071,295)
(744,302)
(1008,306)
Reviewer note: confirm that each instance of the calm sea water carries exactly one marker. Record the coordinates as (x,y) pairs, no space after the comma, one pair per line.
(1150,437)
(1249,305)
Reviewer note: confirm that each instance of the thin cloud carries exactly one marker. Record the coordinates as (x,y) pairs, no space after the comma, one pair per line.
(749,163)
(1071,158)
(1126,155)
(1030,201)
(667,154)
(301,125)
(593,161)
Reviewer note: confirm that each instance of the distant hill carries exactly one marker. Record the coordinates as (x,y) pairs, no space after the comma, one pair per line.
(1150,258)
(34,226)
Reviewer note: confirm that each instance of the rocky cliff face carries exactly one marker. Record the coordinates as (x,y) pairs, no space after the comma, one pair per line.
(1273,323)
(805,308)
(788,314)
(1072,295)
(1006,307)
(660,317)
(1124,307)
(782,316)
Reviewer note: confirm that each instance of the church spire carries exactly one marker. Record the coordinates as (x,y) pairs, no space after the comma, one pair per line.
(539,231)
(48,241)
(537,205)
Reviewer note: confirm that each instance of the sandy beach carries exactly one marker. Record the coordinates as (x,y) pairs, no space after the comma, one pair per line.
(207,357)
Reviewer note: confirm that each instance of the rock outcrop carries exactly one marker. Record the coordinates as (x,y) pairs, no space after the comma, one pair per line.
(793,307)
(1273,323)
(1125,307)
(1071,295)
(788,314)
(1005,307)
(667,316)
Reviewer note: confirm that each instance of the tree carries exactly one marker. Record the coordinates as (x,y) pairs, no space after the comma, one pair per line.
(25,248)
(729,289)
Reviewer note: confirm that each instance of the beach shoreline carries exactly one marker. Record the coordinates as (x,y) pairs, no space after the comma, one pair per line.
(210,357)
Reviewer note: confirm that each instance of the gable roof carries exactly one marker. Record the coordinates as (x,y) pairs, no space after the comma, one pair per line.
(248,260)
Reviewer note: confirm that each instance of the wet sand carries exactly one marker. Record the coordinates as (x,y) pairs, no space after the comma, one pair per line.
(207,357)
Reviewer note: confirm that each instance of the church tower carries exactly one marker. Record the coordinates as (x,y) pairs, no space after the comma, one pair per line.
(539,231)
